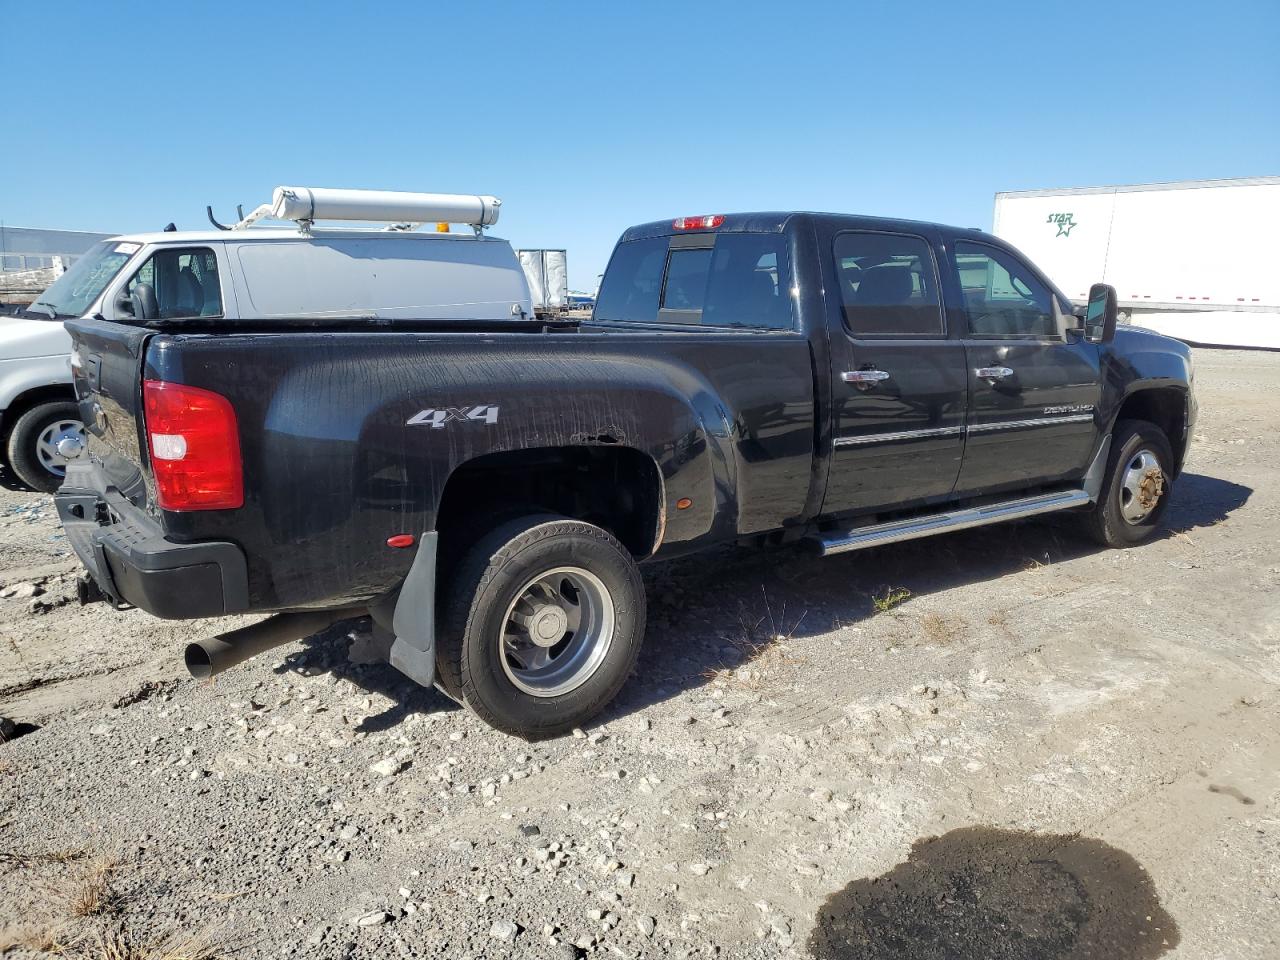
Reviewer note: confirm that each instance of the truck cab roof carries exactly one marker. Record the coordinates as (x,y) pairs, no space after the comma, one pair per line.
(776,221)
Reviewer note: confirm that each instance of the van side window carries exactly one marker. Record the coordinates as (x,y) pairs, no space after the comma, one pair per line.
(888,285)
(184,282)
(633,281)
(1001,296)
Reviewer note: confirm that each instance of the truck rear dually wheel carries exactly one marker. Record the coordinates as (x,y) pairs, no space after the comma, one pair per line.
(36,449)
(1136,487)
(543,625)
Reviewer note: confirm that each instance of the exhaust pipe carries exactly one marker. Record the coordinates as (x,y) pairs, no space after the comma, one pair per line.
(208,658)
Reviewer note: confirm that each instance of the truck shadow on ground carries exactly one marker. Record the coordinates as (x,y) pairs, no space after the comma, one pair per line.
(733,612)
(10,482)
(712,615)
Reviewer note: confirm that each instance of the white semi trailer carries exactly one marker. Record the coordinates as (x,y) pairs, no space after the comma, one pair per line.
(547,273)
(1193,259)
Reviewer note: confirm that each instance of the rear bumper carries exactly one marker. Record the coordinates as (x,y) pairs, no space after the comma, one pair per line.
(128,557)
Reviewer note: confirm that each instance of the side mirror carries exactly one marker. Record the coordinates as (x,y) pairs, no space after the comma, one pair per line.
(1100,317)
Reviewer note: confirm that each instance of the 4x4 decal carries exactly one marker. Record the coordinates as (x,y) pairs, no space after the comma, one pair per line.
(438,417)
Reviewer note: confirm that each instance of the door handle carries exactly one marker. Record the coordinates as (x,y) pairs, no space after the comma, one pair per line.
(864,379)
(993,373)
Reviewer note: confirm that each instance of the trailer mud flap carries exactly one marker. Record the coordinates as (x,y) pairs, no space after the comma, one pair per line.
(413,652)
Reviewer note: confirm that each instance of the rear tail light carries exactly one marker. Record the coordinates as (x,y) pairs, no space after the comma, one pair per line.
(195,447)
(699,223)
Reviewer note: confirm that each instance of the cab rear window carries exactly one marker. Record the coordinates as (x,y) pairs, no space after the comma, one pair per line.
(633,281)
(736,280)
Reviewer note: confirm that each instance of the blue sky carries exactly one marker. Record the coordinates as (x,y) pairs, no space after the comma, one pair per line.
(588,117)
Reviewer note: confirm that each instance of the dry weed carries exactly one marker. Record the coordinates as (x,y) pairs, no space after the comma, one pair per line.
(21,859)
(91,894)
(44,939)
(766,653)
(119,943)
(939,630)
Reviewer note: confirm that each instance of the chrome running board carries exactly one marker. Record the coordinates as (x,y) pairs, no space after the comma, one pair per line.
(898,530)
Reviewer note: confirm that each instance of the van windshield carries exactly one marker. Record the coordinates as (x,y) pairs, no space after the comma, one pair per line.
(72,293)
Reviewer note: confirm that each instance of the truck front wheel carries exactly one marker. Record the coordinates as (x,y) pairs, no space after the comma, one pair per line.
(1135,491)
(542,626)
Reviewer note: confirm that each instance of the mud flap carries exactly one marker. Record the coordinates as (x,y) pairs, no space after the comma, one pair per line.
(413,652)
(1097,471)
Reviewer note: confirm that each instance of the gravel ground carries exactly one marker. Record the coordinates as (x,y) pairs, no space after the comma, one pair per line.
(1092,736)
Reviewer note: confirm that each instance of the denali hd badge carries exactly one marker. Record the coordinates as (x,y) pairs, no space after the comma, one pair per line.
(1070,408)
(437,418)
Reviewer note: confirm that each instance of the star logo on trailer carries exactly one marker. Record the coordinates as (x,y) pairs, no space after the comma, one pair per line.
(1063,221)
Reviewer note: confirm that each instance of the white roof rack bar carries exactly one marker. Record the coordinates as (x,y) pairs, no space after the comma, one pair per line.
(308,204)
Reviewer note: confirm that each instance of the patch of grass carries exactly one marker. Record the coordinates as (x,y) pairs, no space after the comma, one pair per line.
(91,894)
(890,598)
(764,664)
(45,939)
(939,630)
(119,943)
(765,650)
(115,941)
(21,859)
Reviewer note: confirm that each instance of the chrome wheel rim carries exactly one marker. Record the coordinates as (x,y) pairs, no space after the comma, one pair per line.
(556,632)
(1141,486)
(59,436)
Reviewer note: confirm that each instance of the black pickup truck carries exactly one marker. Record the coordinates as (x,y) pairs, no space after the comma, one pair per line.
(486,491)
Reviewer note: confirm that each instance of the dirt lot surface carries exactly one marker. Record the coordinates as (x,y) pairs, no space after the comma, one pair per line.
(1093,738)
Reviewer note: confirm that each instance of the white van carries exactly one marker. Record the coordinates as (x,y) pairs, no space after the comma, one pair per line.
(38,413)
(248,272)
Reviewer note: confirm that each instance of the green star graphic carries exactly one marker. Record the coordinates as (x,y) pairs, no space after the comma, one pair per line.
(1064,228)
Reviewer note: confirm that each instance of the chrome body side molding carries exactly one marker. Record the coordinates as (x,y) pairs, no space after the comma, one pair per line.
(864,439)
(1033,422)
(899,435)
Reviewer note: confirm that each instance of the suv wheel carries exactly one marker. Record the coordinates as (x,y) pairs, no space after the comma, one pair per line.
(543,627)
(36,443)
(1135,491)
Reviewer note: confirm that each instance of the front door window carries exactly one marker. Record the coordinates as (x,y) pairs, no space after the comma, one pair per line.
(1001,297)
(183,281)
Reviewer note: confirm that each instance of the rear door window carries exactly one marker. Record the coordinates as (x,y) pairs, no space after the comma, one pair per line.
(747,286)
(888,285)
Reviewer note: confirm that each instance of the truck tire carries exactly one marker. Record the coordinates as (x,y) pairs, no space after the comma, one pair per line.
(1136,488)
(32,447)
(543,625)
